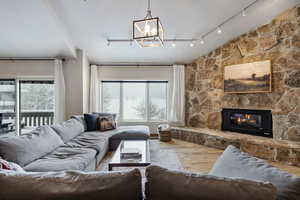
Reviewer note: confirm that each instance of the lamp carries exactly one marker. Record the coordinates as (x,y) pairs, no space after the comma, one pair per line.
(148,32)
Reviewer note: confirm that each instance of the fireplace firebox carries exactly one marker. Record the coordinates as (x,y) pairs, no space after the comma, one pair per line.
(253,122)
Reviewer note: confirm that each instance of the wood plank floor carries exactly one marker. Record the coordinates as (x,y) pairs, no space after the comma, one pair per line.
(199,158)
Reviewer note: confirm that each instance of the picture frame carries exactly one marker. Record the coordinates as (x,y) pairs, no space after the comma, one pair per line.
(255,77)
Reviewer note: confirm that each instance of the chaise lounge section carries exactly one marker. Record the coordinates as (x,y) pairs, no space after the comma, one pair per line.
(66,146)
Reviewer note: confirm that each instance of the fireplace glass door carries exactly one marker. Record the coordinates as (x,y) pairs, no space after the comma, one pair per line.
(253,122)
(246,121)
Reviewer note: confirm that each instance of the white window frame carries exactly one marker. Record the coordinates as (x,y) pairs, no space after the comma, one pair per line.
(147,98)
(18,80)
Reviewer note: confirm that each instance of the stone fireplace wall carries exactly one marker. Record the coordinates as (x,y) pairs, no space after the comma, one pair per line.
(278,41)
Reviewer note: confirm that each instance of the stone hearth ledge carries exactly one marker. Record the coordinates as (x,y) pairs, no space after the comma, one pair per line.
(266,148)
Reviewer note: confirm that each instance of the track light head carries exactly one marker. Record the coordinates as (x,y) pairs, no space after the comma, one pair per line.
(202,40)
(219,30)
(244,13)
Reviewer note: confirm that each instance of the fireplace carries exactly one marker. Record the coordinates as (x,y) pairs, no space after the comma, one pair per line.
(253,122)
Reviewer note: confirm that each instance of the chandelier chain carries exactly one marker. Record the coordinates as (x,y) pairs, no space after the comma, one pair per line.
(149,15)
(149,5)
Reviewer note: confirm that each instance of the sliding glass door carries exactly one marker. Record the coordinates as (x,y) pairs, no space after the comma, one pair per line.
(36,104)
(8,107)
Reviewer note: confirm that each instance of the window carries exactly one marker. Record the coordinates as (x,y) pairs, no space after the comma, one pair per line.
(7,107)
(111,97)
(25,107)
(36,104)
(136,100)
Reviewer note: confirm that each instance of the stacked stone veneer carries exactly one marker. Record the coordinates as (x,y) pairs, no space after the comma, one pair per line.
(278,41)
(265,148)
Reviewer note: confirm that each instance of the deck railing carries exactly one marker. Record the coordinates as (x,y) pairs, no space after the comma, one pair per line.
(30,119)
(33,119)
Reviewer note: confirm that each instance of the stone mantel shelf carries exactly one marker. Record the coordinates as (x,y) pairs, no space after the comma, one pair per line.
(240,136)
(266,148)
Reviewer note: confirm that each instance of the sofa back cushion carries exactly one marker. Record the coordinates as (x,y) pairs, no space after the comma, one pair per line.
(29,147)
(164,184)
(234,163)
(73,185)
(80,118)
(69,129)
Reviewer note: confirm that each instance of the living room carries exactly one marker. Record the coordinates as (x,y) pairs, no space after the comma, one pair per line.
(150,100)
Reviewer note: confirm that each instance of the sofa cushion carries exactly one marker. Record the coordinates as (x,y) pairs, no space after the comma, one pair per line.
(71,185)
(164,184)
(64,158)
(29,147)
(91,122)
(131,133)
(89,139)
(234,163)
(80,118)
(126,133)
(69,129)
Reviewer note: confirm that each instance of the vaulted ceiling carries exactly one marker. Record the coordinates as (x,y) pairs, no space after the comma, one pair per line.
(49,28)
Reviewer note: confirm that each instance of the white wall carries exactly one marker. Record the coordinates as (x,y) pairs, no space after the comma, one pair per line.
(135,73)
(138,73)
(76,73)
(26,69)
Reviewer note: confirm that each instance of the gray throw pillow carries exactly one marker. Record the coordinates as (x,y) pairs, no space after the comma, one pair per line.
(237,164)
(71,185)
(164,184)
(29,147)
(80,118)
(69,129)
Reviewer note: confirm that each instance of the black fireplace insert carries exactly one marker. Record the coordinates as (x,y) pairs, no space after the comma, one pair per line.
(253,122)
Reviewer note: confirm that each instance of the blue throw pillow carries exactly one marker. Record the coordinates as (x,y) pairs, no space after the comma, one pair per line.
(91,121)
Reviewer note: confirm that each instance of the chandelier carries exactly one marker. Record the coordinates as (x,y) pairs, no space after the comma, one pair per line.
(148,32)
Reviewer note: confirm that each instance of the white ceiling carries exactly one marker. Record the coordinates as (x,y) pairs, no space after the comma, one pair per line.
(48,28)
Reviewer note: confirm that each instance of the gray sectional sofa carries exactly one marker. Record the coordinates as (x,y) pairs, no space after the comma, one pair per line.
(66,146)
(235,176)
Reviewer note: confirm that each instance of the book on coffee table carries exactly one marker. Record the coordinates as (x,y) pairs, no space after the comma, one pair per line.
(132,148)
(128,153)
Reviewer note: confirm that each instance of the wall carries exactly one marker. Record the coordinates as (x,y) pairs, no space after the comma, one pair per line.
(76,72)
(26,69)
(278,41)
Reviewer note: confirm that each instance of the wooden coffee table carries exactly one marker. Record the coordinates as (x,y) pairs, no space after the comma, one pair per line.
(142,145)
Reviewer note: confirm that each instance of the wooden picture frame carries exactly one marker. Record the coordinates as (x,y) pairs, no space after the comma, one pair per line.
(255,77)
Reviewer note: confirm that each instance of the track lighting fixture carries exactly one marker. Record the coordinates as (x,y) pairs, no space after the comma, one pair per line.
(151,32)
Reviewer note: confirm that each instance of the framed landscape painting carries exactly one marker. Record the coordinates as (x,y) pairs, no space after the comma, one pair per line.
(248,78)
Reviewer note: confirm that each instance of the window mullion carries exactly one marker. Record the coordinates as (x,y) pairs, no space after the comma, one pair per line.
(18,107)
(147,103)
(121,110)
